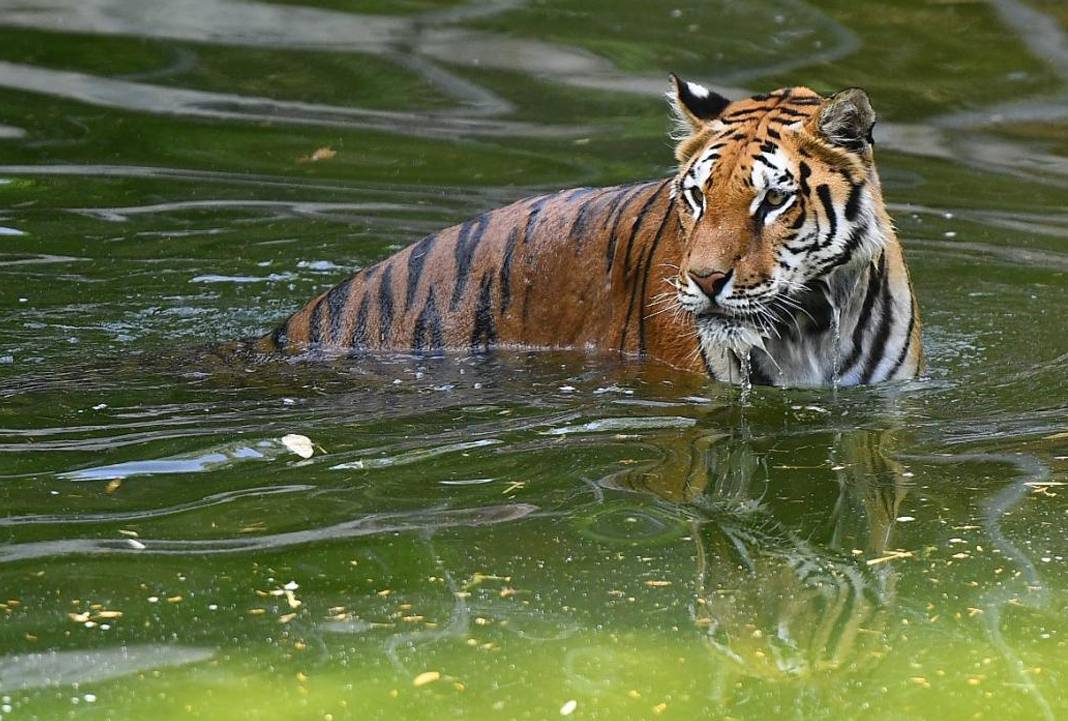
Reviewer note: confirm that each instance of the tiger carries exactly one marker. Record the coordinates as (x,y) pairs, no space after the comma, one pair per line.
(767,258)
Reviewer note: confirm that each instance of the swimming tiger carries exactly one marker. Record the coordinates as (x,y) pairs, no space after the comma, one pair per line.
(768,255)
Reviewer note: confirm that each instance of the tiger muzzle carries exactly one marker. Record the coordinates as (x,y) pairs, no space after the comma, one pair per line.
(710,282)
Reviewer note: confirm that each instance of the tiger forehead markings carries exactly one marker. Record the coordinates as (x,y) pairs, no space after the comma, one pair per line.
(770,249)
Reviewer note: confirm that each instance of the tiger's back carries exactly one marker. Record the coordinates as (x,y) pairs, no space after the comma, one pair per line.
(573,269)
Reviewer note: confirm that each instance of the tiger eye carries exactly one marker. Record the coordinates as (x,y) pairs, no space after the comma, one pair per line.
(775,198)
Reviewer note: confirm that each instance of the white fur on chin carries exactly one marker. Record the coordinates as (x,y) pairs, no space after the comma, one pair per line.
(718,332)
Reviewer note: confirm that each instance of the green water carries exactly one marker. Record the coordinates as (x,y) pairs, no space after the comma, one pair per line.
(515,536)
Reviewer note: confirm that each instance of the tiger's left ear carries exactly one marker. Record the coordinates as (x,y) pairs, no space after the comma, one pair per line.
(695,104)
(847,119)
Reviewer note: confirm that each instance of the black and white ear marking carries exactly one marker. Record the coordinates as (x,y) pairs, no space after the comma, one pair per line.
(696,103)
(847,119)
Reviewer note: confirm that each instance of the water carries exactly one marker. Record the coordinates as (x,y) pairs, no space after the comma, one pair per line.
(836,347)
(496,538)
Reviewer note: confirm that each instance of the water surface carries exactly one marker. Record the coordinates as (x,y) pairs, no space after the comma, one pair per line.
(513,536)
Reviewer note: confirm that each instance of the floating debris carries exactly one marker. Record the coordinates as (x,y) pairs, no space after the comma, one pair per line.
(569,707)
(320,154)
(426,677)
(301,445)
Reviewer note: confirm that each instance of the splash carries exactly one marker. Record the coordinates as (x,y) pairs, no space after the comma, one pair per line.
(745,366)
(836,348)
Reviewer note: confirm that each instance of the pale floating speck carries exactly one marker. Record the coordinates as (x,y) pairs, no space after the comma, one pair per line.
(568,708)
(90,698)
(320,154)
(426,677)
(291,586)
(100,406)
(905,519)
(567,389)
(135,544)
(301,445)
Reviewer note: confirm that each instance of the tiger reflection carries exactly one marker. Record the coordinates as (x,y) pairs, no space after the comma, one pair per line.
(775,602)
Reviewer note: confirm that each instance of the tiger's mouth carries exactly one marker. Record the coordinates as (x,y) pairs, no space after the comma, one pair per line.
(724,322)
(740,333)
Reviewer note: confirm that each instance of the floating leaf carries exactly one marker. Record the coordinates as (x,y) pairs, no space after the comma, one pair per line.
(301,445)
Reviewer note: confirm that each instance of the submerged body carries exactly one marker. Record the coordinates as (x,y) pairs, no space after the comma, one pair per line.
(769,255)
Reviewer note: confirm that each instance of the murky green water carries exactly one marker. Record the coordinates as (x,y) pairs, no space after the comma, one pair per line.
(512,537)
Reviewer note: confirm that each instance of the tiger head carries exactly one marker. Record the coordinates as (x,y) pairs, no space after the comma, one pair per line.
(774,194)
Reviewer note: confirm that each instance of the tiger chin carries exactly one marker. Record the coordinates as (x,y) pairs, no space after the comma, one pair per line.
(768,257)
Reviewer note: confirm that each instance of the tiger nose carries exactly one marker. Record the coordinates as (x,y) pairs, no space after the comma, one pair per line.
(710,283)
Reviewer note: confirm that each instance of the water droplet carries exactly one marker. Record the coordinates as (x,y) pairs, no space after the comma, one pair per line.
(745,363)
(836,348)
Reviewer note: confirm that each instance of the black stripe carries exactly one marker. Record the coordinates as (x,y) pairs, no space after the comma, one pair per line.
(532,217)
(875,282)
(506,268)
(280,337)
(852,243)
(534,208)
(416,261)
(766,162)
(852,206)
(886,323)
(385,305)
(610,252)
(648,263)
(579,227)
(704,361)
(638,224)
(359,330)
(908,342)
(806,172)
(315,322)
(824,192)
(612,205)
(484,332)
(742,115)
(338,298)
(802,215)
(428,334)
(466,243)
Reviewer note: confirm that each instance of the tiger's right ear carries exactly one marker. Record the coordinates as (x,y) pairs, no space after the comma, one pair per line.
(695,104)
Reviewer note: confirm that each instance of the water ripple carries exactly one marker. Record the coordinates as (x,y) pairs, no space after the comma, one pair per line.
(376,524)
